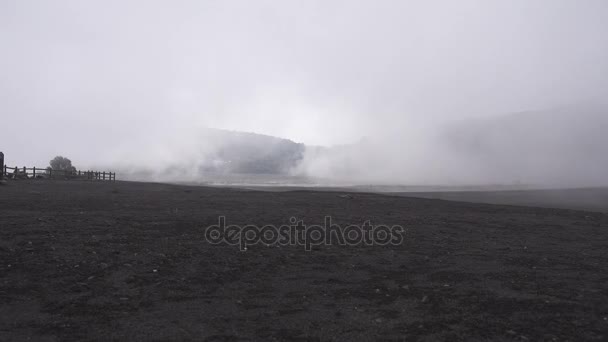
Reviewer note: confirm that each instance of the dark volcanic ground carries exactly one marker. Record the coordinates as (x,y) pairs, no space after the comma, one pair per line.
(592,199)
(128,261)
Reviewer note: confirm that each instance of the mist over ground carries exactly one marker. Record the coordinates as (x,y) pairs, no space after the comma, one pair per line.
(345,92)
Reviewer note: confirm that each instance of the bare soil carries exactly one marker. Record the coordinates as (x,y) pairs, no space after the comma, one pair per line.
(128,261)
(591,199)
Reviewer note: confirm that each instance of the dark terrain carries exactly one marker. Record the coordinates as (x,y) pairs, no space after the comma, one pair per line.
(128,261)
(592,199)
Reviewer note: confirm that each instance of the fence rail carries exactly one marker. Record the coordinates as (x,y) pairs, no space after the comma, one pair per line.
(48,173)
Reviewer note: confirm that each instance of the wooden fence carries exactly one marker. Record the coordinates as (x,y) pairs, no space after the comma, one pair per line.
(48,173)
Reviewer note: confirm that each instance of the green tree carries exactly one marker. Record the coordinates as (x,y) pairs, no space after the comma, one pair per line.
(62,163)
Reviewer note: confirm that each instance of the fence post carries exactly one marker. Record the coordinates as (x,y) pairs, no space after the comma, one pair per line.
(50,173)
(25,172)
(2,167)
(34,176)
(104,175)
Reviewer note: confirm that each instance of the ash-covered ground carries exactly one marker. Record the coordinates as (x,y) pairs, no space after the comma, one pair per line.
(129,261)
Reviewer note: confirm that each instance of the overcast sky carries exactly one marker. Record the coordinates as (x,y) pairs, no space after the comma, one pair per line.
(89,78)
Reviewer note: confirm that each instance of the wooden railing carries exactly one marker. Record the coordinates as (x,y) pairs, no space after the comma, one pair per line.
(48,173)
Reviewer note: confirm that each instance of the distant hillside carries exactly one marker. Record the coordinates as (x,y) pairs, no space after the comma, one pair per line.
(240,152)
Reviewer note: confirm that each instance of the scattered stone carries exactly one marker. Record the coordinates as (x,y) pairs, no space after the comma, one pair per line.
(425,299)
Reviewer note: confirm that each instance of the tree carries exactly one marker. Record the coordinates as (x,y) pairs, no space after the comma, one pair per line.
(62,163)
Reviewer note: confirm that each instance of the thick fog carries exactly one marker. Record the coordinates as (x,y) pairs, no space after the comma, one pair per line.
(391,92)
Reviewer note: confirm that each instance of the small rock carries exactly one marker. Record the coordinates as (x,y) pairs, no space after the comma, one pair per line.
(425,299)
